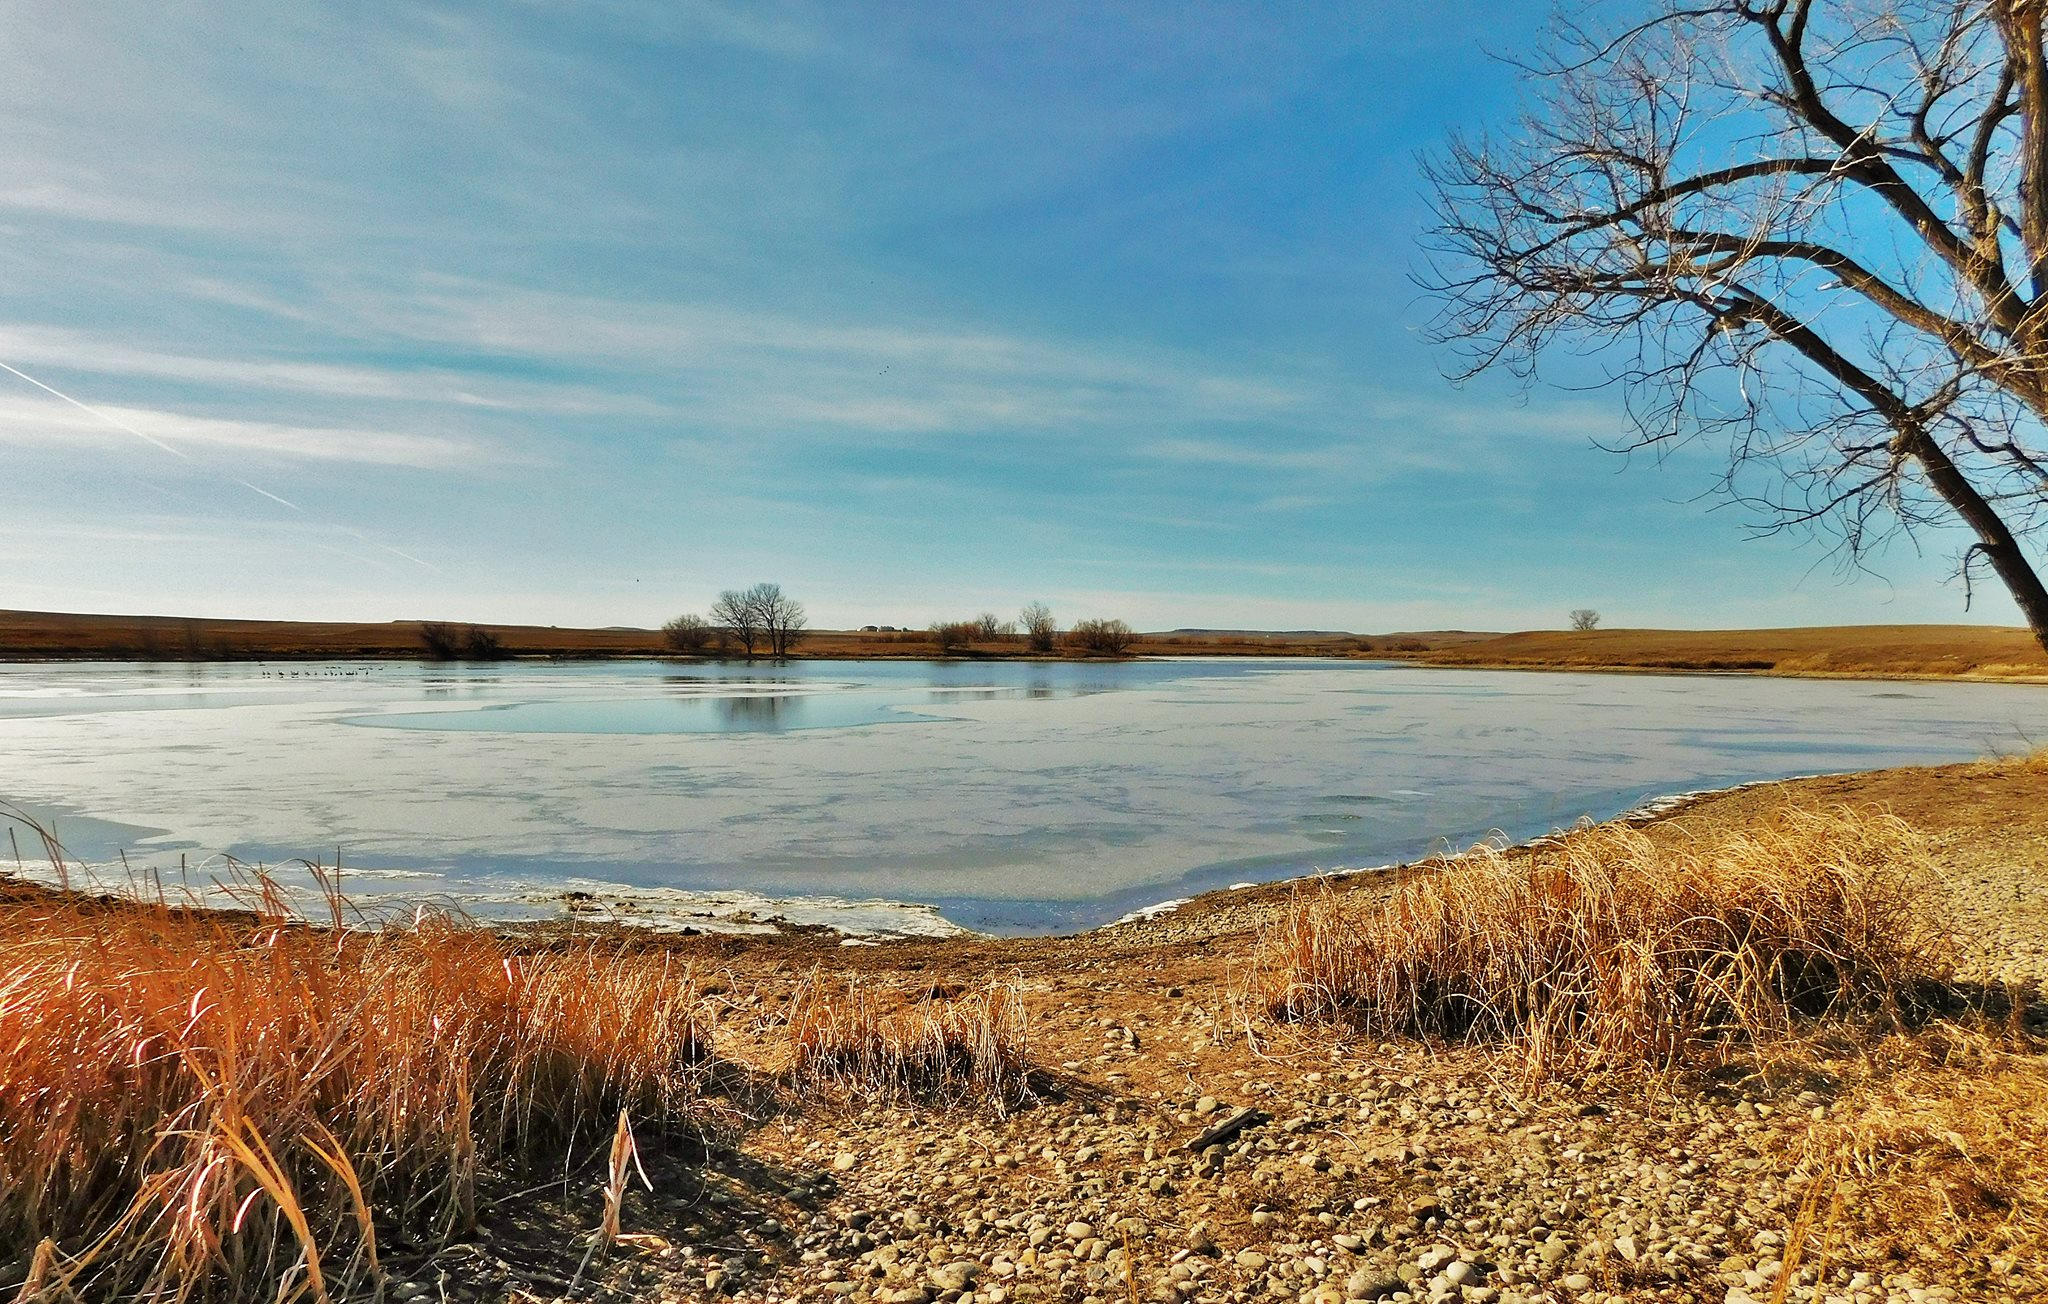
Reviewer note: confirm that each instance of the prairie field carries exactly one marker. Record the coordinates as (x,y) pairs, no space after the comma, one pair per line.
(1846,651)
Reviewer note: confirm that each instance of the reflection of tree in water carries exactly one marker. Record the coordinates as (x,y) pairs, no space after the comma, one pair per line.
(1040,687)
(439,686)
(770,711)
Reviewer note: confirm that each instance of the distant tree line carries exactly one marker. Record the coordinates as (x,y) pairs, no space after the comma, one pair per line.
(1037,629)
(763,620)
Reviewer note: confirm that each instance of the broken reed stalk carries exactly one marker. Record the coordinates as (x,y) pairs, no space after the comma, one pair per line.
(210,1106)
(1611,945)
(869,1042)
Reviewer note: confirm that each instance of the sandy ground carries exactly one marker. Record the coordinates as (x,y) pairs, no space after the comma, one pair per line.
(1899,1168)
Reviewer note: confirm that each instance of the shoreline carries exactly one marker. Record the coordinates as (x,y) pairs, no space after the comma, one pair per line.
(1907,653)
(1404,660)
(738,912)
(1170,1142)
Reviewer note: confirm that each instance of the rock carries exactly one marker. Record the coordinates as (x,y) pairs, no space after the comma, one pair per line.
(1459,1273)
(1228,1128)
(1371,1286)
(844,1161)
(1206,1106)
(958,1275)
(1251,1260)
(1079,1231)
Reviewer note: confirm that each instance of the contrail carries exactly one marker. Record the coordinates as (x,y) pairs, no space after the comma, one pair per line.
(267,494)
(182,455)
(107,417)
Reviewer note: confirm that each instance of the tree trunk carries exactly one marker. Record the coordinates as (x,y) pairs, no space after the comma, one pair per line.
(1994,539)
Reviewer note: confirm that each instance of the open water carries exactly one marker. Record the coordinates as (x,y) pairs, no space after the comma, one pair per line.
(1003,796)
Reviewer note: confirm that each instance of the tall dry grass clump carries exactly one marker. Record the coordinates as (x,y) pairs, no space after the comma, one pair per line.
(205,1106)
(863,1039)
(1611,945)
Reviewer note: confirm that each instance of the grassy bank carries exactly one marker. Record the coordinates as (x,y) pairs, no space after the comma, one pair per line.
(1783,1044)
(1842,651)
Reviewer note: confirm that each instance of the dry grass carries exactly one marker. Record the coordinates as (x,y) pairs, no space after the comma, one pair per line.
(1856,651)
(864,1040)
(1609,945)
(210,1106)
(1940,1157)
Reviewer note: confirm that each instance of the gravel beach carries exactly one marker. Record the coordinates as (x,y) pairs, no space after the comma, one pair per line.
(1177,1149)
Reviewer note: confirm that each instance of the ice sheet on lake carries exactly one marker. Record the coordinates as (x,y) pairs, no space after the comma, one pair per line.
(1006,796)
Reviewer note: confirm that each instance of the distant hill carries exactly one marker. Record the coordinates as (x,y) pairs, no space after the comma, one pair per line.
(1875,651)
(1253,633)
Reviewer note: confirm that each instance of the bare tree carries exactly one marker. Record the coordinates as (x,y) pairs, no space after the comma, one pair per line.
(782,617)
(735,612)
(1816,232)
(991,628)
(1584,619)
(688,632)
(1041,631)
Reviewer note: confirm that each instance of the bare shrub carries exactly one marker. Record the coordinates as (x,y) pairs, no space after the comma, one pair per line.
(688,632)
(876,1045)
(991,628)
(1109,638)
(440,640)
(954,636)
(1610,945)
(444,642)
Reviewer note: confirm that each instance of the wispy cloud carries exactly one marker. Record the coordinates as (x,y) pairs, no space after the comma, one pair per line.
(904,295)
(96,353)
(31,420)
(1333,459)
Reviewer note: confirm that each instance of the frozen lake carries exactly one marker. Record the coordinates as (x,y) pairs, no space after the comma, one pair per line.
(1011,796)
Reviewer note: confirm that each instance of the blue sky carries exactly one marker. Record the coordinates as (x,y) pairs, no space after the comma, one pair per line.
(580,313)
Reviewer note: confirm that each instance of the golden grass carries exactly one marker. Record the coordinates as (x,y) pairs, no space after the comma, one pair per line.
(1613,946)
(863,1040)
(1940,1158)
(209,1106)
